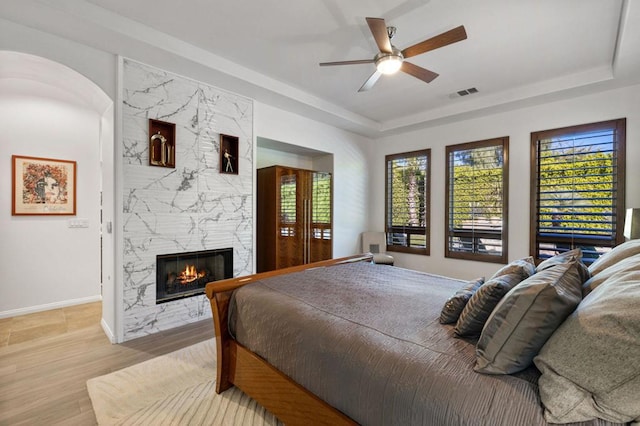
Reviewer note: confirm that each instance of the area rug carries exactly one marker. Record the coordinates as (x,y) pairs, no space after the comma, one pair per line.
(173,389)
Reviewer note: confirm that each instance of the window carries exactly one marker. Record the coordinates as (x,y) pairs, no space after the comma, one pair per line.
(476,200)
(577,189)
(407,202)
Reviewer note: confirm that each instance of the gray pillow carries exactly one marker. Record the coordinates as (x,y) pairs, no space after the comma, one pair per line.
(567,256)
(591,365)
(523,267)
(481,304)
(526,317)
(455,304)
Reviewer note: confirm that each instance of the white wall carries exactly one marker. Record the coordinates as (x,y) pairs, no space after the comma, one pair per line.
(266,157)
(350,169)
(43,262)
(518,125)
(100,66)
(358,161)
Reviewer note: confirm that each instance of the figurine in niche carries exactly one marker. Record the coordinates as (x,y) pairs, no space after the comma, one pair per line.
(228,167)
(162,149)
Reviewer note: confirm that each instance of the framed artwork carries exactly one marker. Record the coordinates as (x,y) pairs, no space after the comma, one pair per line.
(43,186)
(229,154)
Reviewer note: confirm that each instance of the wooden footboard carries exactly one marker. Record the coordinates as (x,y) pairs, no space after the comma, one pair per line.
(237,365)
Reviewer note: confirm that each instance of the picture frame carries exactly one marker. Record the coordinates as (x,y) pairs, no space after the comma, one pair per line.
(43,186)
(229,154)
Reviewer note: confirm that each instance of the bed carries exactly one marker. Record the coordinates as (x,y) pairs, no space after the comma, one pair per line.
(347,341)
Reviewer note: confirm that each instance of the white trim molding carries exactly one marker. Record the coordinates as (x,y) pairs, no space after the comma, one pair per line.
(49,306)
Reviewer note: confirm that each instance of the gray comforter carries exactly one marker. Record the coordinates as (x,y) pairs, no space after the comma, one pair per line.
(366,339)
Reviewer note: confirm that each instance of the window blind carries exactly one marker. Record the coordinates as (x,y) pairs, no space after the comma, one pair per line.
(288,205)
(321,206)
(407,202)
(477,200)
(579,194)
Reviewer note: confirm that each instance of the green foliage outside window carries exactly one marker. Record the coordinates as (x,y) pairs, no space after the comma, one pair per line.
(577,196)
(408,194)
(407,202)
(478,193)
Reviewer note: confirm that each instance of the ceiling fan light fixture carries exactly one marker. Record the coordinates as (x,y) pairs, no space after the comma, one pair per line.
(390,60)
(389,63)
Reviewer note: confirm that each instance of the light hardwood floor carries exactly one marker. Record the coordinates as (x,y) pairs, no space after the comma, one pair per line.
(47,358)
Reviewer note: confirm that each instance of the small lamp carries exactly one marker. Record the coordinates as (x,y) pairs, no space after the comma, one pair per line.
(632,224)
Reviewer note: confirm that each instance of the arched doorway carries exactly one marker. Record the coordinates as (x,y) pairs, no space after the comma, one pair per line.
(48,110)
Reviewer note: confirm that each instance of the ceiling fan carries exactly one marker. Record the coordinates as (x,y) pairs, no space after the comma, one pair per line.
(390,59)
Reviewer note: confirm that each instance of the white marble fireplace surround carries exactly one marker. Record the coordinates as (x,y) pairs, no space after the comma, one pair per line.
(192,207)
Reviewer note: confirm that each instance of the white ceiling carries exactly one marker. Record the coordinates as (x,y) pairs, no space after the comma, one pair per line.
(517,52)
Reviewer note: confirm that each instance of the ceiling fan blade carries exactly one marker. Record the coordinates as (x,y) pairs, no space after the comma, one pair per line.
(370,81)
(379,30)
(449,37)
(418,72)
(357,61)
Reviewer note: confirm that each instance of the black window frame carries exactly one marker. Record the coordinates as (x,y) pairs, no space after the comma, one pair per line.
(399,237)
(477,231)
(540,234)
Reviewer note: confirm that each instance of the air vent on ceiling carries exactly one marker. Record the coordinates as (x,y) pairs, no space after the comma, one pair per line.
(465,92)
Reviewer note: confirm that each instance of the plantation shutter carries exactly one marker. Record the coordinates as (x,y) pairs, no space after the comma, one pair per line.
(407,202)
(476,208)
(579,189)
(288,205)
(321,205)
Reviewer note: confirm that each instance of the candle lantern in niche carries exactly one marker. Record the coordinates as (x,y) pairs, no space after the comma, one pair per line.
(162,143)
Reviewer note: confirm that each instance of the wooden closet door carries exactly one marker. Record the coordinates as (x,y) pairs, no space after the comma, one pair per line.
(319,217)
(295,216)
(291,231)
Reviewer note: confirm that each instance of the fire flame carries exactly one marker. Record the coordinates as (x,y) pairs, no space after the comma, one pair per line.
(189,274)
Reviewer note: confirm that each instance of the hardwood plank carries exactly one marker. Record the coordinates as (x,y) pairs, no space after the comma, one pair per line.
(43,381)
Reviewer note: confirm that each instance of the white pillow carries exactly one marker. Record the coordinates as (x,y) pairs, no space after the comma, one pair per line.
(591,365)
(618,253)
(629,264)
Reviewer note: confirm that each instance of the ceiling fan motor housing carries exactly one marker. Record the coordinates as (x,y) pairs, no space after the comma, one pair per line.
(388,63)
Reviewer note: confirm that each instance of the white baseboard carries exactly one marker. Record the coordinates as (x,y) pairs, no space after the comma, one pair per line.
(49,306)
(108,332)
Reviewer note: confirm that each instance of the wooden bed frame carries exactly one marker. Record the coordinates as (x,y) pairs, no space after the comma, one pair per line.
(238,366)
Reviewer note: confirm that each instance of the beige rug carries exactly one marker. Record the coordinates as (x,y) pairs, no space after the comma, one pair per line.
(173,389)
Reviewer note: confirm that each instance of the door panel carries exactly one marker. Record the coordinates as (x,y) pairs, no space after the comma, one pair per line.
(290,213)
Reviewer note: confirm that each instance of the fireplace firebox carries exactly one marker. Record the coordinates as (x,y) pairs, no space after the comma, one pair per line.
(181,275)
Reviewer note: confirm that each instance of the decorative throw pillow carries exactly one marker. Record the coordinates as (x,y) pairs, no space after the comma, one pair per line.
(591,365)
(619,252)
(630,264)
(566,257)
(523,267)
(526,317)
(454,305)
(482,303)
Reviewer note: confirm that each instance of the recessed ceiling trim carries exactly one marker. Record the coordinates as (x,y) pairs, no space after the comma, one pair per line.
(466,105)
(112,22)
(91,25)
